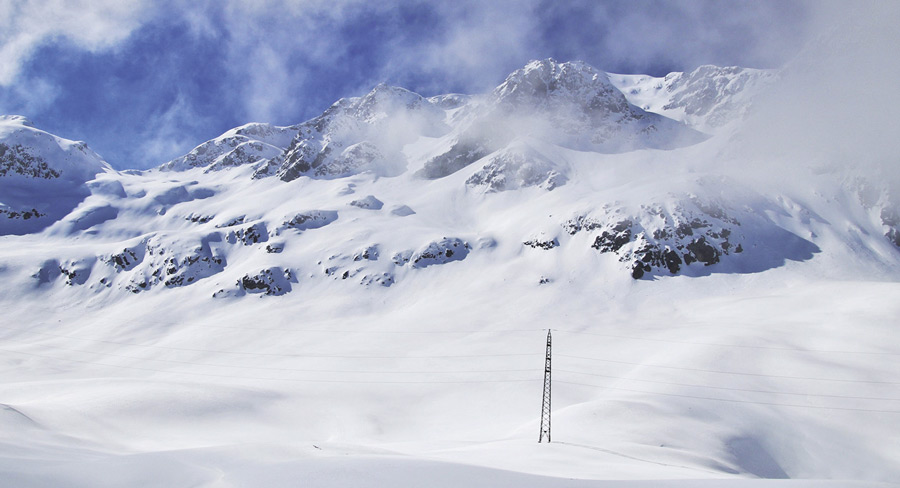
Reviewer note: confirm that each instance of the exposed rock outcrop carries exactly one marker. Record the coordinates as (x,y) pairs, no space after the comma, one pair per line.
(440,252)
(662,238)
(517,167)
(311,219)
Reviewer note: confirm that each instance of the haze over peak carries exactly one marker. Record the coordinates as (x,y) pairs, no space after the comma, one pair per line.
(549,126)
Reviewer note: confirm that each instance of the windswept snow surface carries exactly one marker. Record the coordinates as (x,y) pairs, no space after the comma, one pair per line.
(238,317)
(709,98)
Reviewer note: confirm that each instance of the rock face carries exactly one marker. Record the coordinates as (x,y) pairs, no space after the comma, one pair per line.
(890,218)
(128,258)
(30,153)
(708,98)
(690,235)
(450,101)
(542,242)
(159,260)
(269,281)
(172,263)
(568,104)
(20,214)
(18,160)
(362,266)
(76,272)
(42,177)
(368,203)
(383,279)
(246,145)
(877,199)
(549,86)
(664,237)
(311,219)
(465,150)
(712,96)
(517,167)
(440,252)
(359,135)
(370,253)
(250,235)
(581,108)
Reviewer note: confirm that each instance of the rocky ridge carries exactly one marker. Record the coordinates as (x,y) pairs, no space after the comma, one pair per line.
(42,176)
(349,196)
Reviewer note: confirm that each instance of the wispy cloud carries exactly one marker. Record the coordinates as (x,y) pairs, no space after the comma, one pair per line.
(169,131)
(476,45)
(90,24)
(109,65)
(832,111)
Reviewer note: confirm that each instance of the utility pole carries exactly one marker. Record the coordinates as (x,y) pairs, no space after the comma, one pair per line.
(545,403)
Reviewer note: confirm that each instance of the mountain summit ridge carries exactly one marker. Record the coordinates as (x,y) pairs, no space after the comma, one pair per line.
(581,167)
(594,106)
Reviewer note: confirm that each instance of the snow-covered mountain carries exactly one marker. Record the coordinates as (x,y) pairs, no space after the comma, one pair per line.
(564,197)
(709,98)
(359,135)
(250,143)
(236,210)
(42,177)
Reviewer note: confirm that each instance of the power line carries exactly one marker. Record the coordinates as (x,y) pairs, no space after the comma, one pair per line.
(729,388)
(346,371)
(194,363)
(729,399)
(355,331)
(231,376)
(745,346)
(728,372)
(250,353)
(352,331)
(626,456)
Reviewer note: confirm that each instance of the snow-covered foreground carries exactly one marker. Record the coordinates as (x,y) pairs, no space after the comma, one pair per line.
(725,377)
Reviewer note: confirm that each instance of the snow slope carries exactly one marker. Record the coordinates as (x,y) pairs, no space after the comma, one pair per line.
(362,299)
(708,98)
(42,177)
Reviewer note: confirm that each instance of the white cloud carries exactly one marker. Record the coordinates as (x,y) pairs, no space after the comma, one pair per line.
(270,50)
(36,94)
(483,40)
(262,42)
(90,24)
(169,132)
(269,83)
(833,112)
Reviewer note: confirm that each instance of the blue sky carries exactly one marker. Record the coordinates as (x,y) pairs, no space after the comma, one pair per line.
(143,81)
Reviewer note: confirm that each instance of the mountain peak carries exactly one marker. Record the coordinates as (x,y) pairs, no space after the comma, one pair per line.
(573,94)
(16,120)
(385,99)
(28,152)
(383,89)
(551,65)
(551,80)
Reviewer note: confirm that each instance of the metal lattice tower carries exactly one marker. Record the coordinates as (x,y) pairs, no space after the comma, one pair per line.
(545,404)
